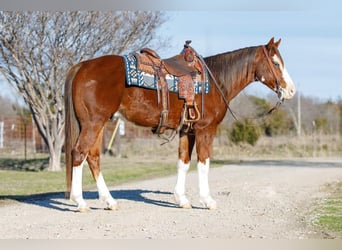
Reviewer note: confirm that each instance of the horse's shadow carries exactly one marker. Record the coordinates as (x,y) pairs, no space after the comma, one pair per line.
(57,200)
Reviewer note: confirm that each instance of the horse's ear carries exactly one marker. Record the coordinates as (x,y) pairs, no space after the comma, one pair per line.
(270,43)
(277,43)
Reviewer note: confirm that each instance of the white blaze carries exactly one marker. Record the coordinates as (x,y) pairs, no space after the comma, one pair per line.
(289,91)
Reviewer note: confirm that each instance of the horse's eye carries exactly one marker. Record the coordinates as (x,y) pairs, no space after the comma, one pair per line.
(276,64)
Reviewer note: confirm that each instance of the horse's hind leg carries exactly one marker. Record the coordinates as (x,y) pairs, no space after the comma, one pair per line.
(87,139)
(76,187)
(93,160)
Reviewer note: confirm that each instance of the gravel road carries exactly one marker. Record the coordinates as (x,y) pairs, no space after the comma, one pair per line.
(256,199)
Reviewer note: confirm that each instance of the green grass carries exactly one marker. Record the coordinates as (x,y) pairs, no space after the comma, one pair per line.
(24,178)
(28,182)
(122,171)
(18,181)
(328,215)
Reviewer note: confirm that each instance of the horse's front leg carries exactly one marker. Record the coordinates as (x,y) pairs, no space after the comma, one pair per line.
(204,143)
(203,181)
(186,144)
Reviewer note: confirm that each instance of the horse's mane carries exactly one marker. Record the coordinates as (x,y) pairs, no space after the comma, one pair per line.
(231,68)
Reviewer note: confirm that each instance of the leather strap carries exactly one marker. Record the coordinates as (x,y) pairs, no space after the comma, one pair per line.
(227,102)
(271,67)
(164,100)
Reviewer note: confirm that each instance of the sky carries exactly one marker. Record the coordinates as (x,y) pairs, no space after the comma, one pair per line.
(311,40)
(310,30)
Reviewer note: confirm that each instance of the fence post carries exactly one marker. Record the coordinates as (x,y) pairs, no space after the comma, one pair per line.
(1,134)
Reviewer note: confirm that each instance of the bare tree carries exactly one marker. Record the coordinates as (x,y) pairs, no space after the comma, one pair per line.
(37,48)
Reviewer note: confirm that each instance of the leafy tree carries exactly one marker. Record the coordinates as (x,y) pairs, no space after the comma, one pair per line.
(37,48)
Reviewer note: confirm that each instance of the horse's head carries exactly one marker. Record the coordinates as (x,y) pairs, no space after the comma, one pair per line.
(271,71)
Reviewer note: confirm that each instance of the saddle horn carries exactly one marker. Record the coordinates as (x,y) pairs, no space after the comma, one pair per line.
(187,43)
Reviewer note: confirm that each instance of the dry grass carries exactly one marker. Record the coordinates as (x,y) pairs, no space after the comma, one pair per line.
(282,147)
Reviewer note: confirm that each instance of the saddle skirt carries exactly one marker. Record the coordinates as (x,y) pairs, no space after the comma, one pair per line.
(142,71)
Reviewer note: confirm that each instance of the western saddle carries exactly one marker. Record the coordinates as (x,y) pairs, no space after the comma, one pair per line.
(188,68)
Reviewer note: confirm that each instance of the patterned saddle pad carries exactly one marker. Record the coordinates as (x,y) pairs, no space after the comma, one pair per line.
(136,77)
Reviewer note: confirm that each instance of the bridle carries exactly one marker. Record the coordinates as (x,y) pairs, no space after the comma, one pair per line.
(279,89)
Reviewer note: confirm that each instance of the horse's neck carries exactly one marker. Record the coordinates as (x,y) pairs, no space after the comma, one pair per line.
(238,86)
(243,72)
(235,70)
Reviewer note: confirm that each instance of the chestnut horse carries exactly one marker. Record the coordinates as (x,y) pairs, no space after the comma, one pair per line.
(96,89)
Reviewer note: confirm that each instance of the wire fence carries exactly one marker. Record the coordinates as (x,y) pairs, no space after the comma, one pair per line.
(19,137)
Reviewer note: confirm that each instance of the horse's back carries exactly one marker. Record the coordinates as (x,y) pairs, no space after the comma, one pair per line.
(103,66)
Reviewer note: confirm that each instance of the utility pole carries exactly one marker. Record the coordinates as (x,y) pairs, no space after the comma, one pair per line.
(299,118)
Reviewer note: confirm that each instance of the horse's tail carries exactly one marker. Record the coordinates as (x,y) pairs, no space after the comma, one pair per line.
(72,128)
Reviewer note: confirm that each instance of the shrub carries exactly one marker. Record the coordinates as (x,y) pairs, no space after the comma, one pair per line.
(277,123)
(244,131)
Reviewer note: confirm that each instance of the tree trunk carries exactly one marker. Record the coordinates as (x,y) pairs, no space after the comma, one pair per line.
(55,157)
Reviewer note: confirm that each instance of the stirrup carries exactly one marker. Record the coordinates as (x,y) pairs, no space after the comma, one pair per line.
(191,113)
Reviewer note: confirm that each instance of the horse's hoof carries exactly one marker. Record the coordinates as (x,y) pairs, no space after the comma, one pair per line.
(212,206)
(182,201)
(83,209)
(185,206)
(209,203)
(113,207)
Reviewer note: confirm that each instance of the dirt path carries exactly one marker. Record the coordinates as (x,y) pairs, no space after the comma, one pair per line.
(256,200)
